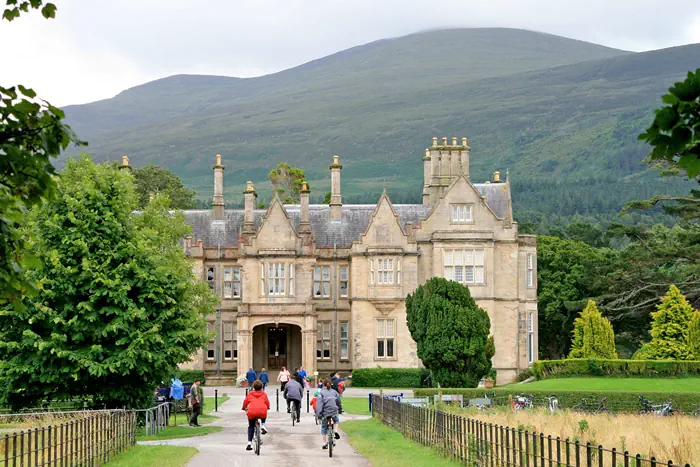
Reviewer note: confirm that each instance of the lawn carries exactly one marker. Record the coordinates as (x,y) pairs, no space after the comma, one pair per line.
(689,384)
(356,405)
(153,456)
(388,448)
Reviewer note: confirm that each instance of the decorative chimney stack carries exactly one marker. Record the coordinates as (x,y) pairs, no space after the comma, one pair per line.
(218,204)
(125,163)
(497,177)
(249,196)
(336,201)
(304,225)
(426,174)
(442,164)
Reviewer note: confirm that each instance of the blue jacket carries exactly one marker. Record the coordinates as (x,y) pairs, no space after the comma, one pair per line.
(250,376)
(264,378)
(303,373)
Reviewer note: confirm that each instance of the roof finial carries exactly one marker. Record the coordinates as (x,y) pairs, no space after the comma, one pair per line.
(464,141)
(497,177)
(434,141)
(125,163)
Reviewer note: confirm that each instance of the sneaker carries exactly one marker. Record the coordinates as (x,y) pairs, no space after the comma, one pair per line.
(336,435)
(325,446)
(298,420)
(263,430)
(249,447)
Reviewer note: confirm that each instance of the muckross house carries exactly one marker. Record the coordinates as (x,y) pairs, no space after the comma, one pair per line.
(323,286)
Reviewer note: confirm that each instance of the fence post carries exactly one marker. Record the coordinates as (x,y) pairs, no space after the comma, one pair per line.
(216,400)
(307,400)
(277,398)
(589,455)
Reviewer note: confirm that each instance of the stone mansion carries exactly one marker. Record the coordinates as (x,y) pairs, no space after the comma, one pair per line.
(323,286)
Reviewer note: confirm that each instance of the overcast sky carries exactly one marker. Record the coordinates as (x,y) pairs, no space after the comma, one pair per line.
(97,48)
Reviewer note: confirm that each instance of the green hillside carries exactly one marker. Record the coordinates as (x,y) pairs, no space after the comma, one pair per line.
(566,131)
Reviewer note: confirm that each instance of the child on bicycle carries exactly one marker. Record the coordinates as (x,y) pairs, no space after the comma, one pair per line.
(314,400)
(256,404)
(328,405)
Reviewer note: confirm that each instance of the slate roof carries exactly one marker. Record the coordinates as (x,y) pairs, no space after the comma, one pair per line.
(355,219)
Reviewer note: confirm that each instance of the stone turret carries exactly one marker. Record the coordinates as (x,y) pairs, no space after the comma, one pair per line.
(442,164)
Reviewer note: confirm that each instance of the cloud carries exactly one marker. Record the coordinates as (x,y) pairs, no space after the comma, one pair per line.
(95,49)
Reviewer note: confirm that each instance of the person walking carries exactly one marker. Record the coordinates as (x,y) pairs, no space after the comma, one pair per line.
(302,373)
(196,399)
(283,378)
(264,378)
(328,405)
(294,393)
(336,380)
(256,405)
(251,377)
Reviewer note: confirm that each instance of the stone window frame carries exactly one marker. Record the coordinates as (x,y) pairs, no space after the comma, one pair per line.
(210,355)
(233,281)
(456,211)
(385,339)
(211,279)
(324,343)
(345,281)
(530,271)
(287,276)
(464,264)
(378,269)
(321,282)
(531,351)
(230,341)
(344,340)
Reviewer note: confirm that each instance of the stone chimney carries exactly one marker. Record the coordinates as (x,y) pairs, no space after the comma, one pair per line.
(427,167)
(125,163)
(336,201)
(249,196)
(442,164)
(304,225)
(218,204)
(497,177)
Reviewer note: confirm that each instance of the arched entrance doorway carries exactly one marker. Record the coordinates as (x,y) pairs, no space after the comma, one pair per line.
(275,346)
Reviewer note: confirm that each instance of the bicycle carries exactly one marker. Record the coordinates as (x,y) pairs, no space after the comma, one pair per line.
(593,407)
(257,437)
(296,409)
(330,436)
(665,410)
(552,403)
(522,402)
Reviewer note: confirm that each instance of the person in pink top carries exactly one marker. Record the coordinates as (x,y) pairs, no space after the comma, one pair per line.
(283,377)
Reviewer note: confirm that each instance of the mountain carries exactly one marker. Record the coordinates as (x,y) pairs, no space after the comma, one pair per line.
(562,115)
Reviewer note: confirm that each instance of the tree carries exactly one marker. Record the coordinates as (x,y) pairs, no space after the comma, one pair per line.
(152,179)
(119,306)
(567,274)
(593,335)
(287,182)
(451,331)
(694,335)
(669,328)
(675,131)
(31,133)
(327,198)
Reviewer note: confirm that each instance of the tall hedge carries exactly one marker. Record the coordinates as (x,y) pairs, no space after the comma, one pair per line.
(619,368)
(390,377)
(669,330)
(694,335)
(593,335)
(451,332)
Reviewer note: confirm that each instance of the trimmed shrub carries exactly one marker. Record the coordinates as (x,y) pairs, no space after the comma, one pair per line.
(624,368)
(593,335)
(618,401)
(190,376)
(694,335)
(390,377)
(669,330)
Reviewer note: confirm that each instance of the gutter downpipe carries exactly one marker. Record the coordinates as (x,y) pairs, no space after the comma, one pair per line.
(335,307)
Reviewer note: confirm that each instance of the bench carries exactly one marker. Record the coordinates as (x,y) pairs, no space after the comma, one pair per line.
(450,399)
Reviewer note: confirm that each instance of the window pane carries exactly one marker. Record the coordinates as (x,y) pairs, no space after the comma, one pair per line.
(326,273)
(458,274)
(210,274)
(281,269)
(389,348)
(344,350)
(530,322)
(479,275)
(449,273)
(343,330)
(228,274)
(380,348)
(327,353)
(468,213)
(326,330)
(210,354)
(343,273)
(390,278)
(326,289)
(236,274)
(317,289)
(228,355)
(317,273)
(283,283)
(319,349)
(468,257)
(469,274)
(479,257)
(236,289)
(343,289)
(228,290)
(390,328)
(448,258)
(455,214)
(381,328)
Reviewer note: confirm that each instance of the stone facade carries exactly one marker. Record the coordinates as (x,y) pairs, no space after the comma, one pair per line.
(323,286)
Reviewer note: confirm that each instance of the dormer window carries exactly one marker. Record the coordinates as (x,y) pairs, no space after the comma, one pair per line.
(461,213)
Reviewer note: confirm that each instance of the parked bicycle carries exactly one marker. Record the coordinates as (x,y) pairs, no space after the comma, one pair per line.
(552,403)
(592,406)
(664,410)
(522,402)
(696,412)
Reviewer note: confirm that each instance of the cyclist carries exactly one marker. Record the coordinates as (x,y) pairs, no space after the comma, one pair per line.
(328,405)
(256,404)
(294,393)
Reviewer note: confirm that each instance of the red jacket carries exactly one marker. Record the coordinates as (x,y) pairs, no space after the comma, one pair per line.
(257,404)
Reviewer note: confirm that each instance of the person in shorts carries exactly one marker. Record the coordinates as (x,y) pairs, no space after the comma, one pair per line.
(328,405)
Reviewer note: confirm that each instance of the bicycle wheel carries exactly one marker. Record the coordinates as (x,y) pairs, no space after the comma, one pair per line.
(294,413)
(258,438)
(331,437)
(696,413)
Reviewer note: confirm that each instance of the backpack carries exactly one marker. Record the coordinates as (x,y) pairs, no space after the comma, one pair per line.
(341,387)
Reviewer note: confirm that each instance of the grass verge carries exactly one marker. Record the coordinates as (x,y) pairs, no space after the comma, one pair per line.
(153,456)
(176,432)
(689,384)
(388,448)
(356,405)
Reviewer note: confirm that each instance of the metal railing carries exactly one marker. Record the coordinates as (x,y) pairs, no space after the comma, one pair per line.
(155,419)
(93,438)
(476,443)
